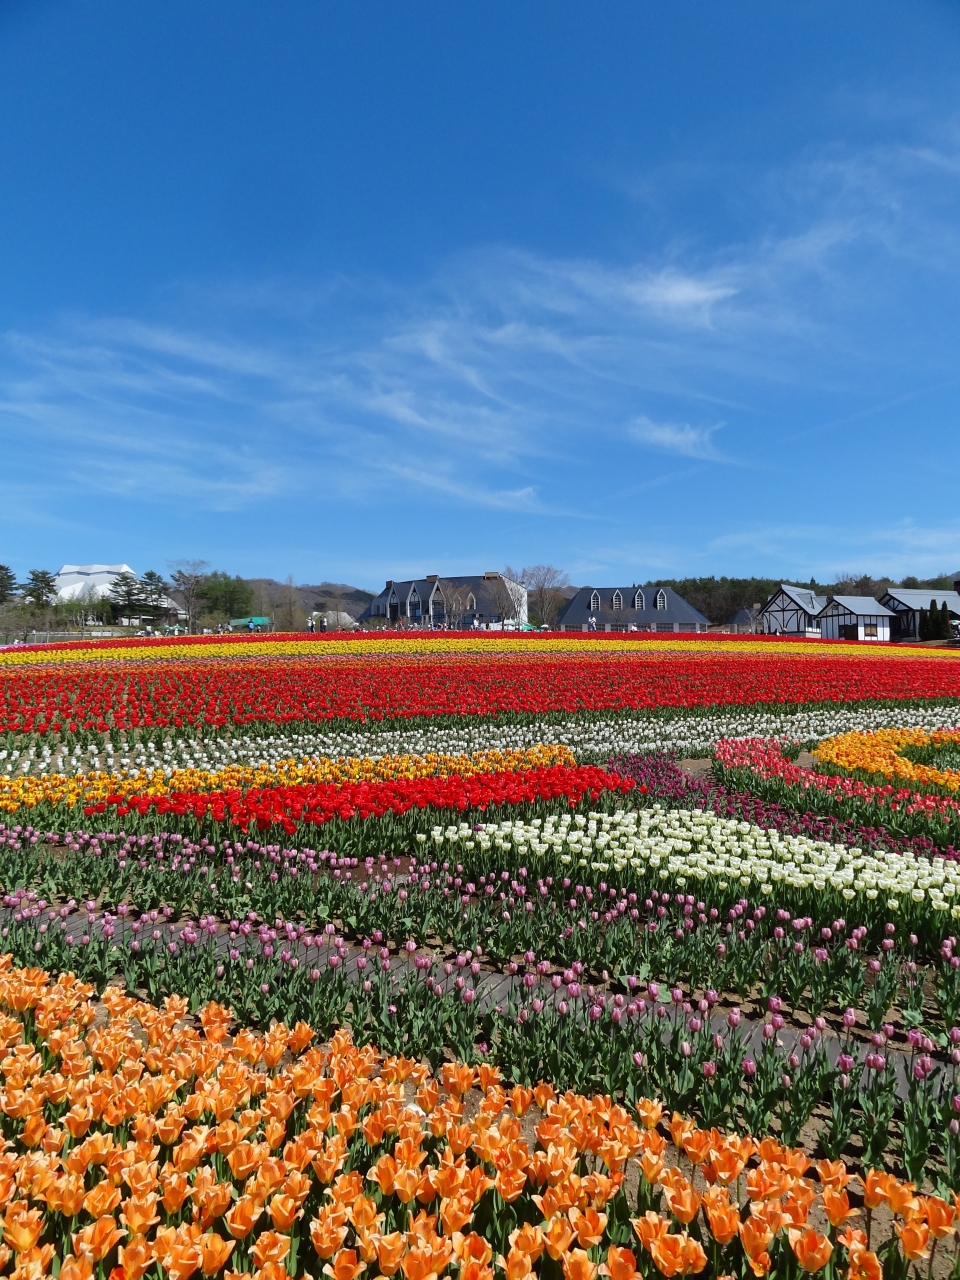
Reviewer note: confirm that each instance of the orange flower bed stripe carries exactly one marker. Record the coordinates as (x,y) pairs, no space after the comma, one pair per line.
(138,1140)
(881,752)
(93,788)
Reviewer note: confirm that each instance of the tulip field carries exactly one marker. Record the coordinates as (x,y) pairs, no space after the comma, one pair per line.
(476,956)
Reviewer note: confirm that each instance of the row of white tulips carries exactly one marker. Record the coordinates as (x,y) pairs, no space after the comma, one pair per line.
(693,733)
(684,849)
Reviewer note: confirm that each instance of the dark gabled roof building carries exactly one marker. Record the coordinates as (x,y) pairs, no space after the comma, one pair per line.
(459,601)
(634,608)
(906,602)
(791,611)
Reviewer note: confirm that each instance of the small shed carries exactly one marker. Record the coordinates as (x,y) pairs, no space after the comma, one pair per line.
(854,618)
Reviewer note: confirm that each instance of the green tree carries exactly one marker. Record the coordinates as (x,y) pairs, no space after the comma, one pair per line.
(946,631)
(126,596)
(153,590)
(40,589)
(231,597)
(923,625)
(8,583)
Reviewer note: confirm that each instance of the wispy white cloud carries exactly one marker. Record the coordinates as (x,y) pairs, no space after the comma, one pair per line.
(676,437)
(511,383)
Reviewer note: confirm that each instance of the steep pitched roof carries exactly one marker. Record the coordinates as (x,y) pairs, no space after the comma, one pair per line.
(862,606)
(807,600)
(578,610)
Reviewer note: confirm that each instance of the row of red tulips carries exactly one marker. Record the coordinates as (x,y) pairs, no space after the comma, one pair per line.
(288,807)
(219,693)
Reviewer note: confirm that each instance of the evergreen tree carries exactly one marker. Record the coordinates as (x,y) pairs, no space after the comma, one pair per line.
(153,589)
(126,596)
(40,589)
(946,631)
(8,583)
(923,626)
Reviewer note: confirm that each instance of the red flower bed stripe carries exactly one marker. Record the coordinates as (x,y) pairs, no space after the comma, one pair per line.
(317,804)
(221,693)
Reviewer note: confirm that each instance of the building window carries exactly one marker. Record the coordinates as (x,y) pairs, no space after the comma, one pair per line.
(661,600)
(638,601)
(617,600)
(869,631)
(595,602)
(471,603)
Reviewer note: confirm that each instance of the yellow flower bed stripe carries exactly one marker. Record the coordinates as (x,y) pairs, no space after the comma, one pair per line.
(58,788)
(399,645)
(879,752)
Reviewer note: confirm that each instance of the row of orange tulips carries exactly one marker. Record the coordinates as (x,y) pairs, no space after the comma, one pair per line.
(136,1143)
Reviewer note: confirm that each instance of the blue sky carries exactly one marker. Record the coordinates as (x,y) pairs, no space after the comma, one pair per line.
(358,291)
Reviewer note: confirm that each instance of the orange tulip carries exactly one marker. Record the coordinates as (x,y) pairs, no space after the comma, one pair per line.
(650,1113)
(103,1199)
(345,1266)
(875,1188)
(135,1257)
(76,1268)
(390,1251)
(589,1226)
(140,1214)
(472,1248)
(270,1246)
(914,1238)
(22,1226)
(557,1235)
(836,1205)
(812,1250)
(214,1252)
(833,1173)
(696,1145)
(98,1239)
(510,1183)
(176,1189)
(243,1217)
(649,1228)
(682,1201)
(529,1240)
(577,1266)
(621,1264)
(283,1211)
(455,1213)
(940,1216)
(723,1217)
(901,1198)
(755,1236)
(677,1255)
(516,1265)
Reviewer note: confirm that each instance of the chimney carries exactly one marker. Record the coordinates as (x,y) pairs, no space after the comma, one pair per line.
(389,583)
(491,576)
(432,577)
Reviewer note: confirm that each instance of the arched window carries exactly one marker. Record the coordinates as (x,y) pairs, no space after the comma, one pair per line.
(638,601)
(595,602)
(661,600)
(617,600)
(471,603)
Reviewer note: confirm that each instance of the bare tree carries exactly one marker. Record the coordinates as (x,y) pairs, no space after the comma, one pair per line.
(545,585)
(187,578)
(454,602)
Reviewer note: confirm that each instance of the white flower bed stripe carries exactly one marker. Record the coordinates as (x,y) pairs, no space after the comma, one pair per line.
(690,734)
